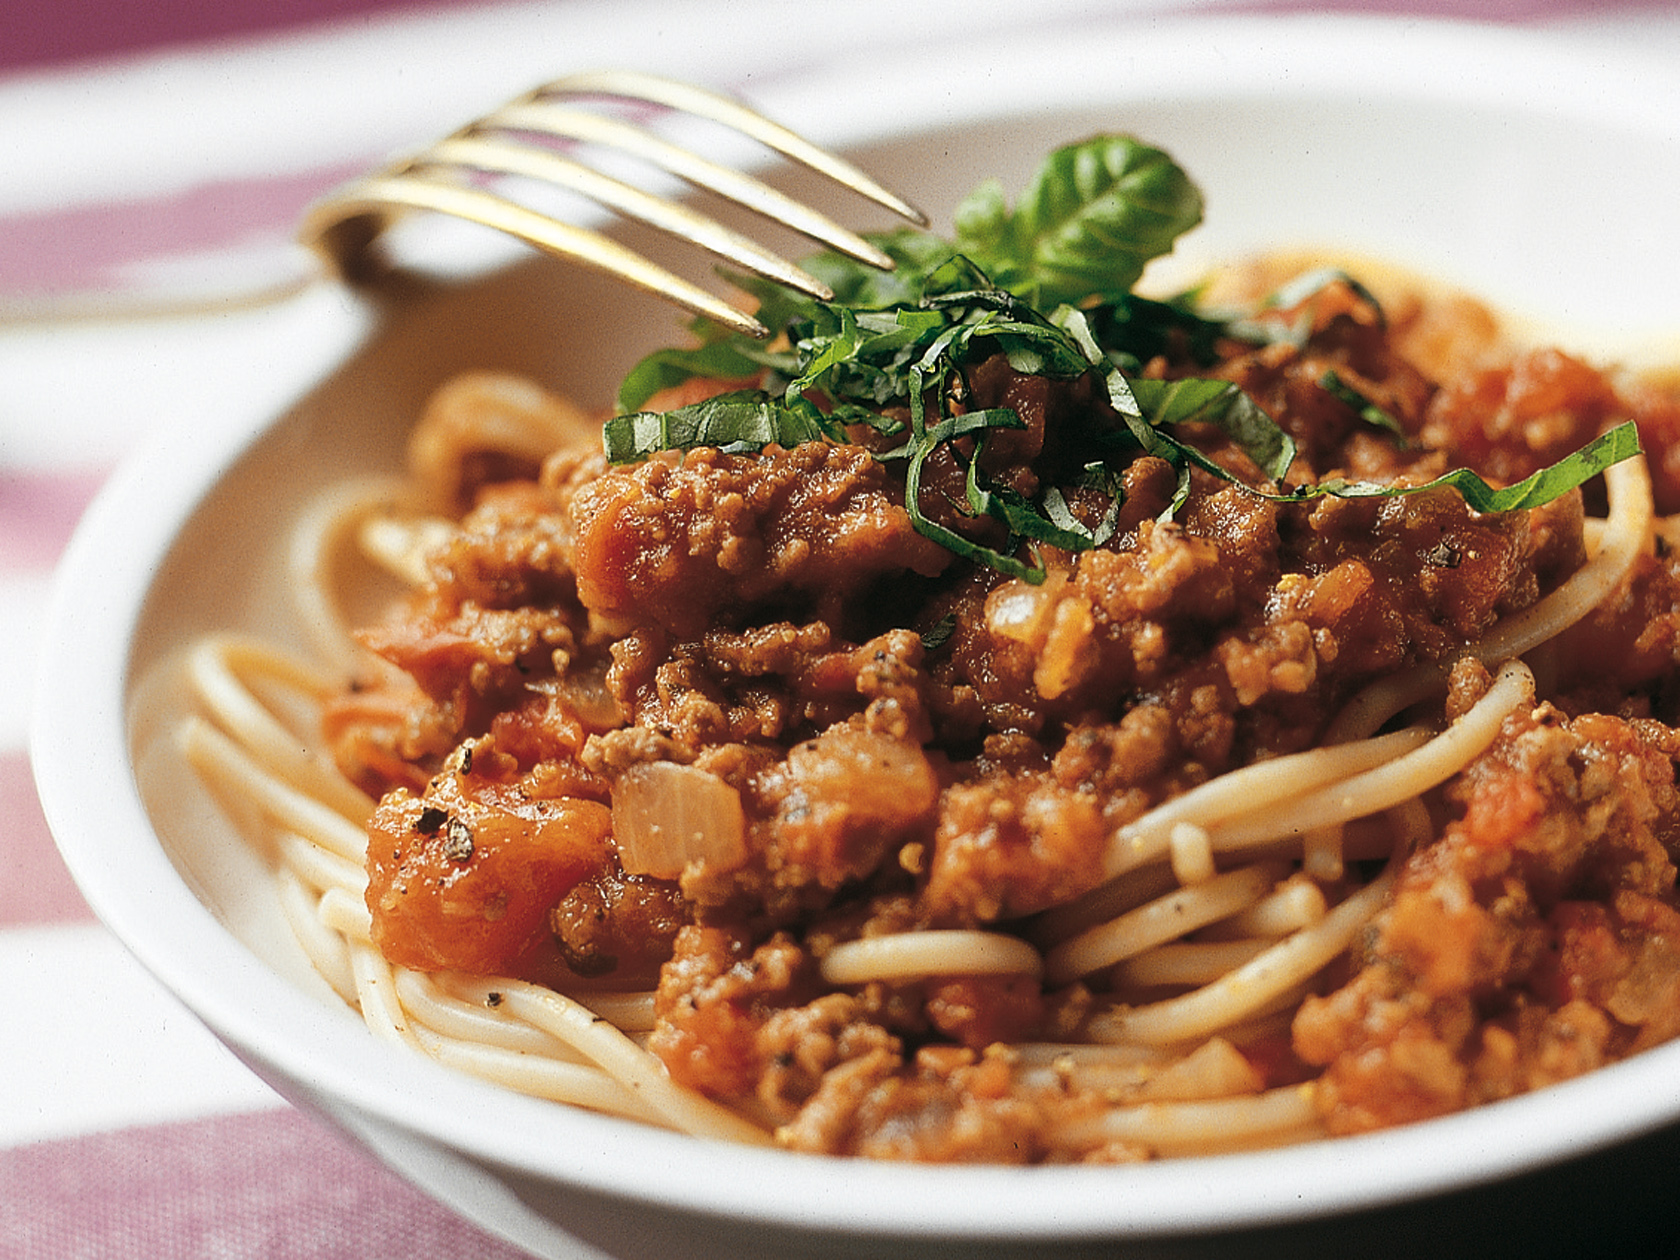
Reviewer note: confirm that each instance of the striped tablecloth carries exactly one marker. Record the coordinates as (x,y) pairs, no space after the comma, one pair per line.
(125,1130)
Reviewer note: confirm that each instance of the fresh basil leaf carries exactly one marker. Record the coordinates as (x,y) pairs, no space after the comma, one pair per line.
(1362,406)
(1097,210)
(916,256)
(744,421)
(939,634)
(974,422)
(1298,295)
(967,549)
(983,222)
(1223,405)
(664,369)
(1151,408)
(1133,330)
(1552,482)
(1091,218)
(1023,518)
(1056,509)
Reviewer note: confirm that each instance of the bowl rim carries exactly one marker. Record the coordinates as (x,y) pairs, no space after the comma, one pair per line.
(80,730)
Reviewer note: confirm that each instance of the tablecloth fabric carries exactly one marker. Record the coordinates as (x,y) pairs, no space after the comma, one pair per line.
(125,1130)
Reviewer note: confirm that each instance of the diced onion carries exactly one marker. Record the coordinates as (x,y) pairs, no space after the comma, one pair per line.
(1016,614)
(587,695)
(667,817)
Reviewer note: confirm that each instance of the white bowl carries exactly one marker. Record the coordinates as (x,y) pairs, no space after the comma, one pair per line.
(1542,180)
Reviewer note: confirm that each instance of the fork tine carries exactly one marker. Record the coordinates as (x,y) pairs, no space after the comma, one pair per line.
(689,99)
(341,225)
(564,122)
(332,227)
(507,157)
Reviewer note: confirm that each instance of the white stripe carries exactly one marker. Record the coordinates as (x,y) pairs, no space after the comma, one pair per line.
(91,1042)
(83,395)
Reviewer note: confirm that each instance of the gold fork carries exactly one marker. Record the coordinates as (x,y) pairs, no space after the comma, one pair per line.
(449,178)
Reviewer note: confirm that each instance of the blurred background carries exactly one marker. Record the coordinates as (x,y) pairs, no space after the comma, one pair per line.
(79,30)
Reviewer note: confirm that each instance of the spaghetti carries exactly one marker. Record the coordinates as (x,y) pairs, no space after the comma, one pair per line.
(706,792)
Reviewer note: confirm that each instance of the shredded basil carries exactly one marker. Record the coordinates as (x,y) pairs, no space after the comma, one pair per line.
(1300,296)
(1046,283)
(939,634)
(737,422)
(1362,406)
(1552,482)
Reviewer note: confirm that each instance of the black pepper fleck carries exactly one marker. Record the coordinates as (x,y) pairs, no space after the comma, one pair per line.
(1442,556)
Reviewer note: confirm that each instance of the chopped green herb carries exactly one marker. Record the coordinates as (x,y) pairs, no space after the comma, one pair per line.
(737,422)
(939,634)
(1367,410)
(1046,283)
(1300,296)
(1571,472)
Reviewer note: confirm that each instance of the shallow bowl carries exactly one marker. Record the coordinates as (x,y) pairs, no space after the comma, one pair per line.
(1542,179)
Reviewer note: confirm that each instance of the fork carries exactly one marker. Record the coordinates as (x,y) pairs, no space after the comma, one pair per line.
(455,177)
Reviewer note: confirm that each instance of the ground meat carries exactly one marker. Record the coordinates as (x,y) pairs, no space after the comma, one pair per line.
(1288,381)
(1518,417)
(385,734)
(476,657)
(1523,946)
(715,997)
(500,612)
(841,802)
(618,925)
(966,1113)
(1622,655)
(510,552)
(1429,574)
(980,1011)
(675,542)
(802,1047)
(1010,844)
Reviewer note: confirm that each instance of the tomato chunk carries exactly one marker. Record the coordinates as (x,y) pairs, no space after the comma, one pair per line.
(463,878)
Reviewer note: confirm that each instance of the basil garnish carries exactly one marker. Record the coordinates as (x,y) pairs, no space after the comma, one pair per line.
(1047,284)
(1573,470)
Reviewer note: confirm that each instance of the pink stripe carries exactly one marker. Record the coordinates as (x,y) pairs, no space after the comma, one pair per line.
(36,887)
(273,1184)
(38,512)
(85,248)
(73,30)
